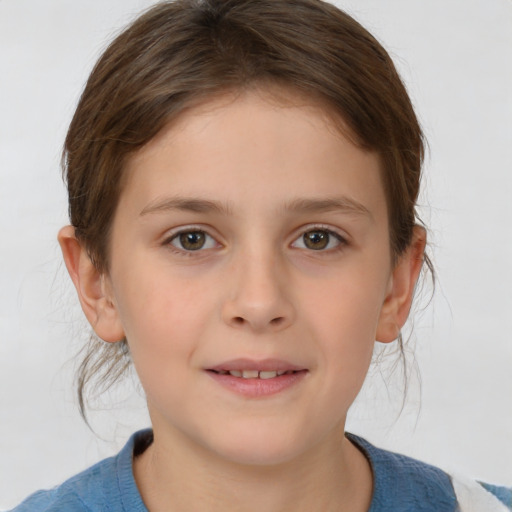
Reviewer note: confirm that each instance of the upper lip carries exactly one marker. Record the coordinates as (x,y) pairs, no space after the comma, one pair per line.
(263,365)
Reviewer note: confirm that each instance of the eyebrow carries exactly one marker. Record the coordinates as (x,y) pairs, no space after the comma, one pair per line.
(301,205)
(188,204)
(342,204)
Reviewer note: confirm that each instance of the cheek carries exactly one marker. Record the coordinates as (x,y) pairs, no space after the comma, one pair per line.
(163,315)
(344,314)
(346,306)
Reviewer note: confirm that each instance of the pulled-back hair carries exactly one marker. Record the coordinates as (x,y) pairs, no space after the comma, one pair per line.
(182,52)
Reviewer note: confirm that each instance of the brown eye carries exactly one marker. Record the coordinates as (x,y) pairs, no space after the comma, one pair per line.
(319,240)
(316,240)
(193,241)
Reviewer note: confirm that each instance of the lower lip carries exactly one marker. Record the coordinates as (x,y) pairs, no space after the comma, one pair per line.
(256,388)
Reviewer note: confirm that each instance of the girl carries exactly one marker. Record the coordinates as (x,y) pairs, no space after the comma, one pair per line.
(242,181)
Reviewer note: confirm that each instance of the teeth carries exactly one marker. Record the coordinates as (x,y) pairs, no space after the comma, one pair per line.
(255,374)
(268,375)
(250,374)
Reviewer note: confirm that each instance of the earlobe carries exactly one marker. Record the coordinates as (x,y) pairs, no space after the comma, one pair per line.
(91,287)
(397,303)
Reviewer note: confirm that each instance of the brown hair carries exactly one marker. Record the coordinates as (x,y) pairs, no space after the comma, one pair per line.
(182,52)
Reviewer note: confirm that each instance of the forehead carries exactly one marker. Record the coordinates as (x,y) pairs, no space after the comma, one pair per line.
(258,96)
(273,144)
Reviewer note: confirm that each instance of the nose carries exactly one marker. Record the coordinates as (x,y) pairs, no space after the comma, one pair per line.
(258,295)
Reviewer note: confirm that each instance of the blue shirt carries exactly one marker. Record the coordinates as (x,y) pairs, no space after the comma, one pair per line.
(400,484)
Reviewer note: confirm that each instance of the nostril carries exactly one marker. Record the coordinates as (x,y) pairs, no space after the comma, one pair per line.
(238,320)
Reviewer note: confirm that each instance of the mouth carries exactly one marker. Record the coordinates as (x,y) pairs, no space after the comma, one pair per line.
(257,379)
(256,374)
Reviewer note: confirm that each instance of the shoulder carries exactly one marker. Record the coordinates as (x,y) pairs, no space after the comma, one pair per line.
(52,501)
(402,483)
(503,493)
(473,495)
(78,494)
(107,485)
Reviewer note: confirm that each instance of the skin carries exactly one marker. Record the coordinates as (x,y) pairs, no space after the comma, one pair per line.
(260,173)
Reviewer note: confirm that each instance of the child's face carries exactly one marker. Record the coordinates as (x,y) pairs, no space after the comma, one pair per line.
(252,236)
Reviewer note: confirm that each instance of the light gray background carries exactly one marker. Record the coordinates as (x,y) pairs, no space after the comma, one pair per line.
(455,56)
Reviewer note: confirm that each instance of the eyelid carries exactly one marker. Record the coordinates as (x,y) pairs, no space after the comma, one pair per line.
(172,234)
(176,232)
(341,238)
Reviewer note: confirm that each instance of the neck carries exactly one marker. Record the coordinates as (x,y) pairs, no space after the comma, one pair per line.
(174,475)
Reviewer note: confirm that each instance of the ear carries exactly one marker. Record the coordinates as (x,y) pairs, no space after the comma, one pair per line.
(397,303)
(91,286)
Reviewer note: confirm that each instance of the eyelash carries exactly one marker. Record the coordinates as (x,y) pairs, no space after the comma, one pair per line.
(340,241)
(188,231)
